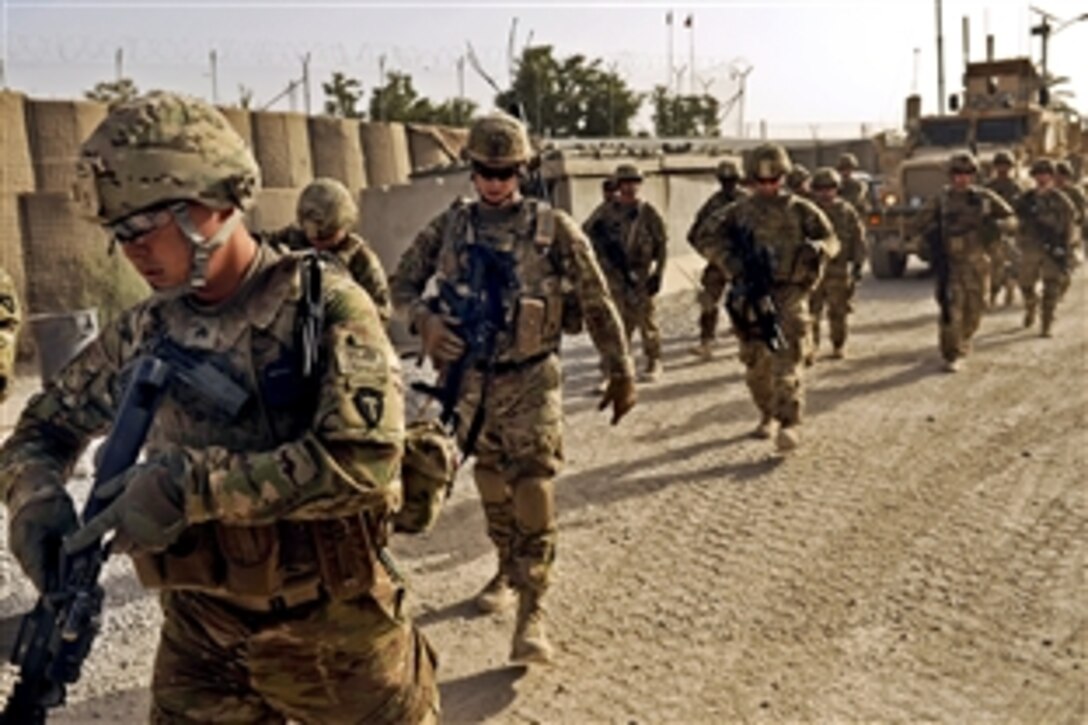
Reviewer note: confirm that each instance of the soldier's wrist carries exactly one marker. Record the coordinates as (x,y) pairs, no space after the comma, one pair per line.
(31,484)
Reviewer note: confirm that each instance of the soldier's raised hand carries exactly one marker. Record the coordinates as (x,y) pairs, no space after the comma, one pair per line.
(41,515)
(440,343)
(620,394)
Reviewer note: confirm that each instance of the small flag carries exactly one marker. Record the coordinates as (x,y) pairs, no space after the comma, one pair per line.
(668,18)
(689,21)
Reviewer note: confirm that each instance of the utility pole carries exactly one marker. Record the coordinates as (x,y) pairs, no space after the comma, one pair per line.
(690,23)
(461,76)
(940,61)
(119,63)
(381,86)
(612,69)
(306,83)
(1044,30)
(671,78)
(739,72)
(213,60)
(914,75)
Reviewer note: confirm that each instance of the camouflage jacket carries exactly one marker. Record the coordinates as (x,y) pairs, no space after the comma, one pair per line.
(969,220)
(293,452)
(1006,187)
(785,223)
(354,253)
(718,200)
(1080,202)
(1047,219)
(11,318)
(850,230)
(552,261)
(856,192)
(631,236)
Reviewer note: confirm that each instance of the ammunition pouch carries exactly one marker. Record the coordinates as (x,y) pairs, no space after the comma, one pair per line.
(271,567)
(538,325)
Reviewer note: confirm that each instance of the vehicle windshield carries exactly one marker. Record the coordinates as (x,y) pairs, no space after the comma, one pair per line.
(946,132)
(1001,130)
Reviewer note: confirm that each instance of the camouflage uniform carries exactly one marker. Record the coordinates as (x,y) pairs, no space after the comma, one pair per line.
(519,450)
(798,181)
(1003,252)
(967,219)
(852,189)
(839,282)
(713,280)
(326,208)
(11,318)
(1044,215)
(275,604)
(632,236)
(801,240)
(1068,185)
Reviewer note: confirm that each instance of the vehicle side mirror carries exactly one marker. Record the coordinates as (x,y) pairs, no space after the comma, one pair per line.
(953,103)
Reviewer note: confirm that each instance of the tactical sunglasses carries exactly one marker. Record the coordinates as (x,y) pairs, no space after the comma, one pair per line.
(490,173)
(767,180)
(140,224)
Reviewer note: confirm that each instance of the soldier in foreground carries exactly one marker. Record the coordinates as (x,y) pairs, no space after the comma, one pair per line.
(1046,236)
(628,235)
(851,188)
(509,406)
(326,216)
(956,224)
(795,239)
(11,318)
(713,279)
(799,181)
(1003,252)
(233,518)
(843,272)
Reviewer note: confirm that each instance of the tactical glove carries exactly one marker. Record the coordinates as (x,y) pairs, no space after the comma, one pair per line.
(620,394)
(440,343)
(147,509)
(653,285)
(41,516)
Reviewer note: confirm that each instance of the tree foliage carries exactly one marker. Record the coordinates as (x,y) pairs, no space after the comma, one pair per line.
(113,93)
(687,116)
(342,96)
(572,96)
(398,100)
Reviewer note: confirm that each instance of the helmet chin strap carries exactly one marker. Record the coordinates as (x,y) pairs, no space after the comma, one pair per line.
(203,247)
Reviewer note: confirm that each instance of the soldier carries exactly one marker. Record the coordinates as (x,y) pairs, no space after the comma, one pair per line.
(609,187)
(960,219)
(1003,250)
(628,235)
(713,280)
(233,518)
(799,181)
(11,318)
(1046,235)
(326,216)
(800,240)
(514,403)
(852,189)
(843,272)
(1067,184)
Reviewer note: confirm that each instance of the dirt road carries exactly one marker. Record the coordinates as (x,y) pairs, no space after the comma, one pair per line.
(921,557)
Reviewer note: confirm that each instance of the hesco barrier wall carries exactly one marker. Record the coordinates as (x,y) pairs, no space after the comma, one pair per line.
(385,146)
(337,149)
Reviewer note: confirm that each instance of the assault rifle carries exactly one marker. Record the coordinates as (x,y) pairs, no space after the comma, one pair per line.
(56,636)
(750,305)
(480,303)
(938,257)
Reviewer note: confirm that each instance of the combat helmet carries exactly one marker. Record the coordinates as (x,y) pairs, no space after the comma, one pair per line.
(962,163)
(1003,158)
(498,140)
(826,178)
(847,162)
(160,151)
(1042,166)
(1064,169)
(728,171)
(797,177)
(325,207)
(767,161)
(627,172)
(429,467)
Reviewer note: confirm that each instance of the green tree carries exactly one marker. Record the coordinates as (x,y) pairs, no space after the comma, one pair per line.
(454,112)
(573,96)
(113,93)
(342,96)
(674,115)
(398,100)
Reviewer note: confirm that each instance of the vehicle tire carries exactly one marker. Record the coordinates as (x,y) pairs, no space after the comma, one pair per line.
(886,264)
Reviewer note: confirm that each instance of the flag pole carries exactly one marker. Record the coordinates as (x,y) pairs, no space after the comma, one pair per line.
(671,83)
(691,53)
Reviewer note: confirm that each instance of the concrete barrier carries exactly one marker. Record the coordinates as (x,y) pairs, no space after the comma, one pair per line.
(431,147)
(281,142)
(337,151)
(55,130)
(275,209)
(385,149)
(240,120)
(68,266)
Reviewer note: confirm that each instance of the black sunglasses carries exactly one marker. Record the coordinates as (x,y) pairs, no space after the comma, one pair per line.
(140,224)
(490,173)
(767,179)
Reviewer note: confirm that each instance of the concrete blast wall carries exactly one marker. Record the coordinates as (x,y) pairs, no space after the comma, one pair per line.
(337,150)
(240,120)
(385,148)
(55,130)
(274,210)
(281,142)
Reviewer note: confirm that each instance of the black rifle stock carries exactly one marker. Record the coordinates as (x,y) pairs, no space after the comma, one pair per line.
(938,256)
(750,304)
(56,636)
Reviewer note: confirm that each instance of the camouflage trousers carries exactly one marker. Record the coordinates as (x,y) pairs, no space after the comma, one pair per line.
(1036,264)
(713,283)
(1003,270)
(350,661)
(836,293)
(638,312)
(518,454)
(774,378)
(969,289)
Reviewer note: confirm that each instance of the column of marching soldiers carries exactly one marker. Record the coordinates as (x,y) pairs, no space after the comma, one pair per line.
(265,522)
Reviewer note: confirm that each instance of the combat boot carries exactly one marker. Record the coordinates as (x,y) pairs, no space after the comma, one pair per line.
(530,645)
(496,596)
(1029,316)
(788,438)
(953,366)
(1048,322)
(837,353)
(653,371)
(765,429)
(704,350)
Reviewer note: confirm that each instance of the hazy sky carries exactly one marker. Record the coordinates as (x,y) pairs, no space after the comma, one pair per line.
(831,64)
